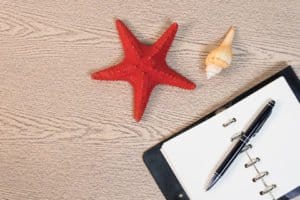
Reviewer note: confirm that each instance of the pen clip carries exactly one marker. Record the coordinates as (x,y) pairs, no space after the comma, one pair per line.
(260,125)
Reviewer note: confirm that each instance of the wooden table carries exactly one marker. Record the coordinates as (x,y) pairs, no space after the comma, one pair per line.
(64,136)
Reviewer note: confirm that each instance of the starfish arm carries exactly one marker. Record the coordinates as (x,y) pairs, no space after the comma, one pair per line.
(170,77)
(116,72)
(130,44)
(163,44)
(143,87)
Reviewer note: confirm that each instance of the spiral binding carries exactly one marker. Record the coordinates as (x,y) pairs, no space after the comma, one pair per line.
(260,174)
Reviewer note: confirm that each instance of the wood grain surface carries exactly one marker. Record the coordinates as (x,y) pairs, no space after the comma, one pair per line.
(64,136)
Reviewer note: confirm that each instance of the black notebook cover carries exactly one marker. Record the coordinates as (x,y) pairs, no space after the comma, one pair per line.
(161,171)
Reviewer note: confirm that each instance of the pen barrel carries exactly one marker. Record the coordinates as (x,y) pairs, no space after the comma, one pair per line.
(230,157)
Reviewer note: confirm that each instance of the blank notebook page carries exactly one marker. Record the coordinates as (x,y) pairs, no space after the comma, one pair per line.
(193,154)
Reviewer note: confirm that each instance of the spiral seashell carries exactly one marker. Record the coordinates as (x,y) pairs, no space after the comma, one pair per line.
(220,57)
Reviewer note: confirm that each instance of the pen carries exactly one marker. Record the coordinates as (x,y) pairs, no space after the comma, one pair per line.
(254,128)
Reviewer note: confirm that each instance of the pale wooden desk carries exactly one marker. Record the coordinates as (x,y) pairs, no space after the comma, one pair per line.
(66,137)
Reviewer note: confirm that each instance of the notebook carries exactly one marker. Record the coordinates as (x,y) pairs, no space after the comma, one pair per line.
(193,154)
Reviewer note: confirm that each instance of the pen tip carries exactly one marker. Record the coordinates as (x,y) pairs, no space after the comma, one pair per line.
(209,186)
(212,182)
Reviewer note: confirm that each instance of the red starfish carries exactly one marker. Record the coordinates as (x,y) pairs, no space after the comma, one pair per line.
(144,67)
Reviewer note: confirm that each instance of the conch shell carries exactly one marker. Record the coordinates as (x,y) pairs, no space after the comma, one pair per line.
(220,57)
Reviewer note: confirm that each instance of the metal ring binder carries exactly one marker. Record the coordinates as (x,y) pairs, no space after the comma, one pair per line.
(260,174)
(252,162)
(268,189)
(248,146)
(229,122)
(236,136)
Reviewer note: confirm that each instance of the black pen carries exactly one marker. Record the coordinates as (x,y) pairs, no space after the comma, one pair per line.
(254,127)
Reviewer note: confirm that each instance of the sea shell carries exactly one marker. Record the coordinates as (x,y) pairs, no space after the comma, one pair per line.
(220,57)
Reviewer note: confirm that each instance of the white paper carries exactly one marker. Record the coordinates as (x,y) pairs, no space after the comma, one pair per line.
(192,155)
